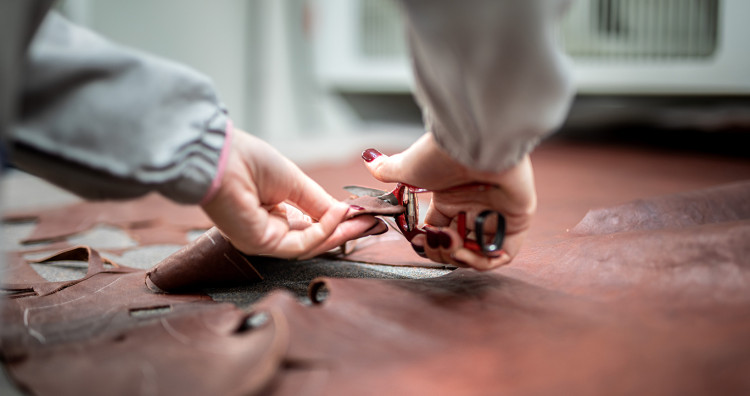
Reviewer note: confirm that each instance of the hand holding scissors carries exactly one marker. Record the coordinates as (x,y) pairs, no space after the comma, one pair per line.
(461,198)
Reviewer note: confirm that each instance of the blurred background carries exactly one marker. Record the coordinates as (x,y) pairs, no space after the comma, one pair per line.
(322,79)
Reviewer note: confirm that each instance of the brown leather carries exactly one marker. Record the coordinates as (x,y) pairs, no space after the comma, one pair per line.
(372,205)
(389,248)
(108,334)
(656,308)
(150,220)
(654,303)
(210,260)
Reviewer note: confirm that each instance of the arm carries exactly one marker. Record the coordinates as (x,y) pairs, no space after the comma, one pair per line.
(491,83)
(105,121)
(489,76)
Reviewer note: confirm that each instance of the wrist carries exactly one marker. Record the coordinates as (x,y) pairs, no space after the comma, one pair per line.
(221,164)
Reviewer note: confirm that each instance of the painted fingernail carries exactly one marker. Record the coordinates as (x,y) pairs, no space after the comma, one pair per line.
(356,207)
(370,154)
(419,250)
(433,238)
(445,240)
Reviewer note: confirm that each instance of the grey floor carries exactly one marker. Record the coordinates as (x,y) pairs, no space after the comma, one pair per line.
(22,191)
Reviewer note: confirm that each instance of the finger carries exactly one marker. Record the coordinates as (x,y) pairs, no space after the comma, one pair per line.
(435,217)
(309,196)
(438,243)
(297,219)
(295,243)
(382,167)
(351,229)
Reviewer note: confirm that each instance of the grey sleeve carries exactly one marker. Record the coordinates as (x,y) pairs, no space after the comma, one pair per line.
(489,75)
(107,122)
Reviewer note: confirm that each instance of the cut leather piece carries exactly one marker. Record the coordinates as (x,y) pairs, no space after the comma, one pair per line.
(139,218)
(42,287)
(126,339)
(373,206)
(390,248)
(210,260)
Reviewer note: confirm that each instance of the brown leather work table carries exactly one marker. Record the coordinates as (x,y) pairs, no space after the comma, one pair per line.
(572,178)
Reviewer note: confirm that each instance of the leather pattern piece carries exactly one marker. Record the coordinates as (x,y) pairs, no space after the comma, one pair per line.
(150,220)
(210,260)
(109,334)
(651,308)
(390,248)
(374,206)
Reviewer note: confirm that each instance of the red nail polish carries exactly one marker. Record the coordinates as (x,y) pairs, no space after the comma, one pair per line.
(356,207)
(419,250)
(370,154)
(433,238)
(444,239)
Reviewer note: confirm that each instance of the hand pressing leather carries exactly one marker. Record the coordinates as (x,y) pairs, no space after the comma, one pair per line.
(425,165)
(260,203)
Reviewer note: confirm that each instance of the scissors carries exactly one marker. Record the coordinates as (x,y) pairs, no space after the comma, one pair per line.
(408,221)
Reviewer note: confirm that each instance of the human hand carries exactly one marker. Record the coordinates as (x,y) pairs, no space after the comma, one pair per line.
(425,165)
(253,206)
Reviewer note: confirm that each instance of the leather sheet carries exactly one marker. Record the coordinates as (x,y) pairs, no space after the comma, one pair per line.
(637,299)
(635,302)
(648,296)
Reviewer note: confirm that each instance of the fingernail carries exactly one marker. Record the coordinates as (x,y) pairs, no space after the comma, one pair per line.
(445,240)
(419,250)
(433,238)
(356,207)
(370,154)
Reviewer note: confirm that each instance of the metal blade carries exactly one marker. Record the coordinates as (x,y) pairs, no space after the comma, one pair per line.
(372,192)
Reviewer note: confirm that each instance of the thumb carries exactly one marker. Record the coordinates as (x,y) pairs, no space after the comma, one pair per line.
(384,168)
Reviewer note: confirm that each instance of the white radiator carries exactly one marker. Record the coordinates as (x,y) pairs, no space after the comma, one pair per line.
(618,46)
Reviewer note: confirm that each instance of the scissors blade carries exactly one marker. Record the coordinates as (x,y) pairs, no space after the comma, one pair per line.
(386,196)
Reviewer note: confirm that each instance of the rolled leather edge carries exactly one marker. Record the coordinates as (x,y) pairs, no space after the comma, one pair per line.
(373,206)
(210,260)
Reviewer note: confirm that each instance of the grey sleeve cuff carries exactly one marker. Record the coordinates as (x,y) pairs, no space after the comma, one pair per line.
(489,76)
(107,122)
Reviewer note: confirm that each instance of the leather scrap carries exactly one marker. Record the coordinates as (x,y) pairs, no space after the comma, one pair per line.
(109,334)
(150,220)
(390,248)
(373,206)
(210,260)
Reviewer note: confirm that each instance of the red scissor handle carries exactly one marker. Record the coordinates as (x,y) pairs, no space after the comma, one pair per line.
(408,221)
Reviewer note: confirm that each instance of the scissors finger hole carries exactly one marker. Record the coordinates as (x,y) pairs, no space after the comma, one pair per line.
(489,227)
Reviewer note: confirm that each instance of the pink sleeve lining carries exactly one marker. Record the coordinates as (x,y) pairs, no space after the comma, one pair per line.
(223,158)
